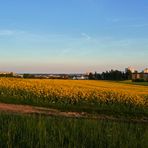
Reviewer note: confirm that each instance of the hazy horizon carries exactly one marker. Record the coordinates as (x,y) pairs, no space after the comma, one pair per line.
(73,36)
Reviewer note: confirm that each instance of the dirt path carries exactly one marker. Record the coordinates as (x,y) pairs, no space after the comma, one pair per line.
(27,109)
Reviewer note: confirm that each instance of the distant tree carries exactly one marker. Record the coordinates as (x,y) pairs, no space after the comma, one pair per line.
(91,76)
(28,76)
(113,75)
(95,76)
(7,75)
(128,75)
(99,77)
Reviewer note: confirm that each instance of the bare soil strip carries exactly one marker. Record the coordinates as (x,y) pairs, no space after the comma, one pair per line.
(27,109)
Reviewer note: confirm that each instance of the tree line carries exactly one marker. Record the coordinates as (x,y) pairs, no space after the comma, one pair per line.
(108,75)
(6,75)
(111,75)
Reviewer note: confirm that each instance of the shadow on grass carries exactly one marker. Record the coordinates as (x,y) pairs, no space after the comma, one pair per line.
(113,109)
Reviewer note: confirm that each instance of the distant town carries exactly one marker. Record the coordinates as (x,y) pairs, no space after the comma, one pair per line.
(129,74)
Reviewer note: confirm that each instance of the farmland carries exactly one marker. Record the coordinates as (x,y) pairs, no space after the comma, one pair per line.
(90,96)
(125,104)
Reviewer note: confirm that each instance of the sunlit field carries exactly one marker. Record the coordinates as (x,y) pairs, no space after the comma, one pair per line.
(84,95)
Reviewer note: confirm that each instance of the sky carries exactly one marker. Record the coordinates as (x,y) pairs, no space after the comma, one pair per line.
(70,36)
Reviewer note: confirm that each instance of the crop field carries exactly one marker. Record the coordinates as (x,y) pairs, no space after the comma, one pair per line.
(92,96)
(125,104)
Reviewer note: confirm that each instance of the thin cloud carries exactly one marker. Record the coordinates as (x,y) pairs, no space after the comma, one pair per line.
(134,26)
(138,25)
(125,19)
(6,32)
(86,36)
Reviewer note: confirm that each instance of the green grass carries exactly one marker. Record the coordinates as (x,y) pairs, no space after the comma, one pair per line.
(114,109)
(33,131)
(134,83)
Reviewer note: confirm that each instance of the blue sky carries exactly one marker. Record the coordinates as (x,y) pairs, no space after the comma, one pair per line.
(73,35)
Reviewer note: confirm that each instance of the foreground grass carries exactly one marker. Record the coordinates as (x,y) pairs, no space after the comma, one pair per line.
(41,132)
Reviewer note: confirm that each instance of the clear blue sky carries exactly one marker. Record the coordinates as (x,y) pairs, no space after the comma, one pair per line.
(73,35)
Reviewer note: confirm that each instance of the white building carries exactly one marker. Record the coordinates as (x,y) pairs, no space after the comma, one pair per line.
(130,69)
(4,73)
(145,70)
(80,78)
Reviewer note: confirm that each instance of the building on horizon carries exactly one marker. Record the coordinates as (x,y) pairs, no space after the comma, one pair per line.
(131,69)
(7,73)
(145,70)
(142,75)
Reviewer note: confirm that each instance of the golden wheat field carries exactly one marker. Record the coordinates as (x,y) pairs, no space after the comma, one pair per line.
(74,91)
